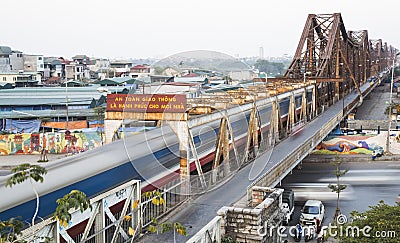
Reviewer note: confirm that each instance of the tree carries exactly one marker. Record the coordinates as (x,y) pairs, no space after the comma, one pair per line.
(156,227)
(337,187)
(10,229)
(381,223)
(158,70)
(270,67)
(27,171)
(73,200)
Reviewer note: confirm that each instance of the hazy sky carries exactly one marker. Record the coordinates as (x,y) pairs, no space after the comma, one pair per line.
(150,28)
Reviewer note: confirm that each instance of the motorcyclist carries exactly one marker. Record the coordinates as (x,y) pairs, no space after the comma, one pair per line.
(299,232)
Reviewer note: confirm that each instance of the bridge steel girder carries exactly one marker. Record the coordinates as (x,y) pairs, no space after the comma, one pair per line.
(291,119)
(327,50)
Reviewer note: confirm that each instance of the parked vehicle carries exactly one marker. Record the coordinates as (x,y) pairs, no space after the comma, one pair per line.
(311,209)
(287,205)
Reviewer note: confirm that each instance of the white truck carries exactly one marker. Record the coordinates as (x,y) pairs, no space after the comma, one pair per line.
(287,205)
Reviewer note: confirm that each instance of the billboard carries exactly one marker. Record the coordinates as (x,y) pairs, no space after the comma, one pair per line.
(149,103)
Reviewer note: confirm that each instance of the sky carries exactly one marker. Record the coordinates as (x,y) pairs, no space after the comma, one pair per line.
(158,28)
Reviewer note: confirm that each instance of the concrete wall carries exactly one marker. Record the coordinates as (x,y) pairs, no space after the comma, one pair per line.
(253,225)
(371,124)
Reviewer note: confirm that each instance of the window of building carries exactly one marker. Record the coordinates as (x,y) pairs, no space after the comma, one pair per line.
(4,79)
(40,58)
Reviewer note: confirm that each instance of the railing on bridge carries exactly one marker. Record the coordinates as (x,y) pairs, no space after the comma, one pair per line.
(174,193)
(109,220)
(211,233)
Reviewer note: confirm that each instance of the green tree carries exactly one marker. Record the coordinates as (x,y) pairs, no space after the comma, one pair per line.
(337,188)
(381,223)
(27,171)
(276,68)
(73,200)
(10,230)
(156,227)
(158,70)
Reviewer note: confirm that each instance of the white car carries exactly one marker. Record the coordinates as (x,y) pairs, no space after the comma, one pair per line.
(311,209)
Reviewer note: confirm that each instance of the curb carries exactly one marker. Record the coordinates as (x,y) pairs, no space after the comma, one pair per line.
(322,158)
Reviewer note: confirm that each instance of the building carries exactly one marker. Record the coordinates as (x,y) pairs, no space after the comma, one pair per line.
(53,67)
(16,61)
(120,68)
(33,63)
(80,67)
(140,71)
(99,68)
(21,79)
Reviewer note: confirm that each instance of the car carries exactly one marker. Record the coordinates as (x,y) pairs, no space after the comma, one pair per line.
(311,209)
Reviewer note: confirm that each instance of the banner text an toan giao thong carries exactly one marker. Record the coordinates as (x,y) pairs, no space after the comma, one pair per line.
(150,103)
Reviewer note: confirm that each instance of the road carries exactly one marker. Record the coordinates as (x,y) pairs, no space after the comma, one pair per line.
(368,183)
(202,209)
(374,105)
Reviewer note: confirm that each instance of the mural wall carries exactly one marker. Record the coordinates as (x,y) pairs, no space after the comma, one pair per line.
(356,144)
(55,143)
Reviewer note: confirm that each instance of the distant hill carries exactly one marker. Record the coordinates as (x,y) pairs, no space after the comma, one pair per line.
(202,59)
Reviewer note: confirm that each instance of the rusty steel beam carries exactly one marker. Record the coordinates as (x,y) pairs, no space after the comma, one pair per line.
(334,55)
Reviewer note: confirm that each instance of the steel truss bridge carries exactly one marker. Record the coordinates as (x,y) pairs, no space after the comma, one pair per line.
(329,64)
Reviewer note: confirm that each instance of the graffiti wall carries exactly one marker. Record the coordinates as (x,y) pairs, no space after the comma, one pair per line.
(352,144)
(56,143)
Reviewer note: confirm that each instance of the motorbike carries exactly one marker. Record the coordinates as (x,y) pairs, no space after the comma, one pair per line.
(298,233)
(309,232)
(320,237)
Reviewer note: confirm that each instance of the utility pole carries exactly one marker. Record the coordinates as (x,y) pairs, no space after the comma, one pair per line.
(390,105)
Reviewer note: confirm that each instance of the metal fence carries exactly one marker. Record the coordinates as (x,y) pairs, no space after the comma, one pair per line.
(174,193)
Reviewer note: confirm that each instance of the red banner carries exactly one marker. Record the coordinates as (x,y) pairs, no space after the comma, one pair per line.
(150,103)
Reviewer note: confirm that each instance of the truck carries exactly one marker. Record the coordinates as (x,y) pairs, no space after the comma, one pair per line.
(287,205)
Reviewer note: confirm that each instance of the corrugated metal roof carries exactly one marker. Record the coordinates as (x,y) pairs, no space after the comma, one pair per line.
(47,113)
(51,95)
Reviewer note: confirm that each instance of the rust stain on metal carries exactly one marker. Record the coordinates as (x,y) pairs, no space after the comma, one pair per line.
(148,103)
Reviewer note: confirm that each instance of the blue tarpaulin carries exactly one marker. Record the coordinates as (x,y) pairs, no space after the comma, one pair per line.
(22,126)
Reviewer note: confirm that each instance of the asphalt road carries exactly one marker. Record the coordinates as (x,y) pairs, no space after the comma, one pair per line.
(367,184)
(202,209)
(373,107)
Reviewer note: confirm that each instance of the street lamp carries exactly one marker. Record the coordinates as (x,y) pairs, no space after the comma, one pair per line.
(390,105)
(66,103)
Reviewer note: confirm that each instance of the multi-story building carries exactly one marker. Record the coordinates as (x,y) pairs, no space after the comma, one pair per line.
(120,68)
(140,71)
(81,70)
(21,78)
(53,67)
(33,63)
(16,61)
(99,68)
